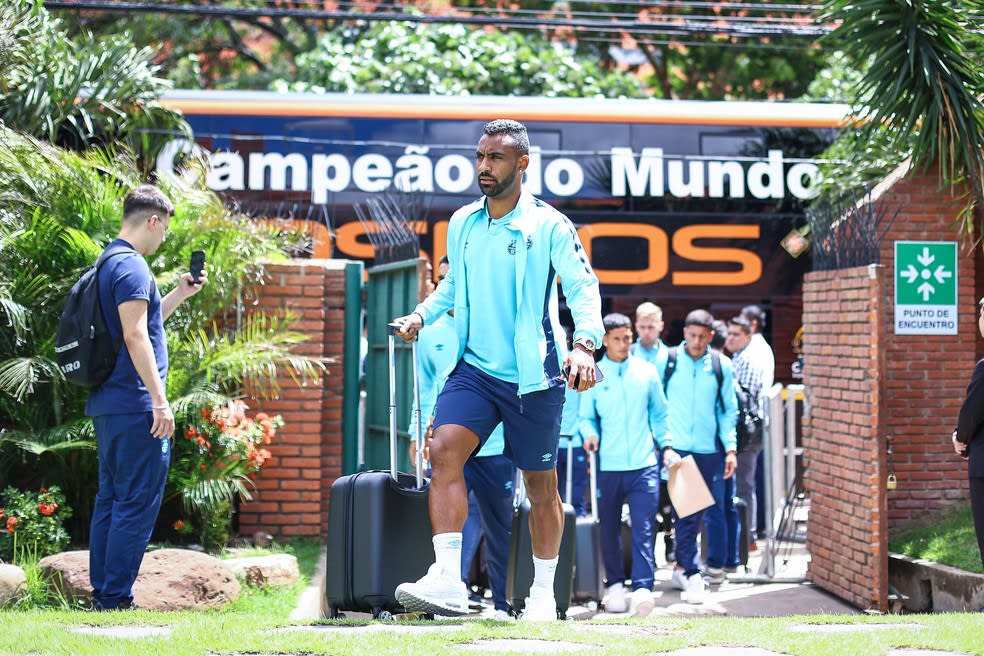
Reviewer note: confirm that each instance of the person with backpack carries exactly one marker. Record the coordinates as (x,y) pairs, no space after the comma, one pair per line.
(750,376)
(701,423)
(130,412)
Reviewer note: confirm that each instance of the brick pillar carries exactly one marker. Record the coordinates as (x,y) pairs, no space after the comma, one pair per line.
(291,496)
(926,376)
(844,455)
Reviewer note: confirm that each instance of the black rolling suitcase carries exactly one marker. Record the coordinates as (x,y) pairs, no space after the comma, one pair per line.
(379,530)
(519,573)
(589,579)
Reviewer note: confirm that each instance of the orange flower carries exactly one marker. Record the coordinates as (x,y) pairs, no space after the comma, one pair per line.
(178,525)
(262,416)
(205,413)
(192,433)
(1,513)
(43,490)
(47,509)
(12,523)
(200,440)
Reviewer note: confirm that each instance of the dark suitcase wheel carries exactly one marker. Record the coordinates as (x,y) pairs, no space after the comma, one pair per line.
(382,615)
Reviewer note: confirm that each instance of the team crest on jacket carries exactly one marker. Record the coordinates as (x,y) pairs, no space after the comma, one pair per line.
(511,248)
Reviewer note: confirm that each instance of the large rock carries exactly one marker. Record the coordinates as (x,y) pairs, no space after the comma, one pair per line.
(12,582)
(169,579)
(275,569)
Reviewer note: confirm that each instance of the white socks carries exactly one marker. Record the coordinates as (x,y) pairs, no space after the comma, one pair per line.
(447,553)
(543,574)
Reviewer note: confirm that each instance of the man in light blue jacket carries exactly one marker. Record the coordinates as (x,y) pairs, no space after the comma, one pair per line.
(702,414)
(506,251)
(620,418)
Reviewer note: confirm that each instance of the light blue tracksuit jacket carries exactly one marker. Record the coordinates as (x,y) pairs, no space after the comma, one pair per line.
(626,411)
(555,250)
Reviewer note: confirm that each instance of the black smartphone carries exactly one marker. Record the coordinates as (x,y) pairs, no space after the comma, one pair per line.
(197,264)
(599,375)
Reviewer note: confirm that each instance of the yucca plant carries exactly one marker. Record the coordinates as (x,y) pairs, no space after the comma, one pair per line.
(920,91)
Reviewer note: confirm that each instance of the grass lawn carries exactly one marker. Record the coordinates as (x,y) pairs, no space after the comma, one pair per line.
(258,624)
(946,537)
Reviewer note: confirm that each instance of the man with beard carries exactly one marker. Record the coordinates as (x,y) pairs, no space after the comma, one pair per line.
(506,251)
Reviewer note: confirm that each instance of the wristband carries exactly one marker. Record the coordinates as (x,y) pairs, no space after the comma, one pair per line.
(422,322)
(166,406)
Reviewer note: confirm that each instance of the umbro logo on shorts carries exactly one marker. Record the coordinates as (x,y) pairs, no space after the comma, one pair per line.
(546,457)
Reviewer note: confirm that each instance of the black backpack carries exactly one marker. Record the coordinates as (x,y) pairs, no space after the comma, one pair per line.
(748,427)
(85,350)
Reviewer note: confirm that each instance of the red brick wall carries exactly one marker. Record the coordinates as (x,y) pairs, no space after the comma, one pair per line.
(926,376)
(844,455)
(291,497)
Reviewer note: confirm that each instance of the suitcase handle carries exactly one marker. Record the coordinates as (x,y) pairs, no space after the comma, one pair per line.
(593,478)
(391,330)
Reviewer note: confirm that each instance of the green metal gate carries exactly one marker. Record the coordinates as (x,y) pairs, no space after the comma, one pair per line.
(394,289)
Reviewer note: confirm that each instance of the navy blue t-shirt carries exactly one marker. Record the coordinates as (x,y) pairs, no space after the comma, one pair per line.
(127,278)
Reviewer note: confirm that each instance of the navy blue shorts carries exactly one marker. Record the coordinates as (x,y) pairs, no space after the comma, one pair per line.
(531,423)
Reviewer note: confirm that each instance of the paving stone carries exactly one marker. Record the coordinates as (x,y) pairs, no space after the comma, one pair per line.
(923,652)
(132,631)
(375,627)
(847,628)
(527,646)
(716,650)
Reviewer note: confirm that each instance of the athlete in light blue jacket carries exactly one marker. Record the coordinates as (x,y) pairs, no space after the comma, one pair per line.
(702,424)
(489,475)
(621,418)
(506,251)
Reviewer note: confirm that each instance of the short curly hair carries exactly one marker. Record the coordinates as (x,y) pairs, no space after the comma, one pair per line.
(513,129)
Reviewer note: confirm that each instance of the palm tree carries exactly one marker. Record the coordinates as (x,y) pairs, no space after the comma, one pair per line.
(920,92)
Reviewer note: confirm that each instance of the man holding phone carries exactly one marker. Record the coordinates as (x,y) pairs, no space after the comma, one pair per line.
(130,412)
(506,250)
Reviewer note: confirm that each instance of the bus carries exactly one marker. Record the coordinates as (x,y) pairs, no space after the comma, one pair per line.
(684,203)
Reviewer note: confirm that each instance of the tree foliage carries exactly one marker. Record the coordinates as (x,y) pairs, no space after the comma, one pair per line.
(451,60)
(87,91)
(676,50)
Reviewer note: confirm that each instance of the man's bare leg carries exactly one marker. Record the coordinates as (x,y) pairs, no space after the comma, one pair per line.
(546,530)
(448,502)
(546,513)
(441,591)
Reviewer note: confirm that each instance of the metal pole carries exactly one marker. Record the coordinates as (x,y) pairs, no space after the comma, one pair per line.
(391,345)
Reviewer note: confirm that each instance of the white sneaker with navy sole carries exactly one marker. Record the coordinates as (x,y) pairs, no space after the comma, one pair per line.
(437,592)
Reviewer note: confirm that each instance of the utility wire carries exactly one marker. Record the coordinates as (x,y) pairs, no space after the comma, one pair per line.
(678,24)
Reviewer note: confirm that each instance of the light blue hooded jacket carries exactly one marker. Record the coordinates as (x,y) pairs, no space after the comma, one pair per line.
(555,251)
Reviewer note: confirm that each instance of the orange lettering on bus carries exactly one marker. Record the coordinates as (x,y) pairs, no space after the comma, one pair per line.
(750,264)
(657,246)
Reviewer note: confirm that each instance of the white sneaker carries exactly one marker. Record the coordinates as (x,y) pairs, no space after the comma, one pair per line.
(615,599)
(437,592)
(539,607)
(693,592)
(642,603)
(678,581)
(502,616)
(715,575)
